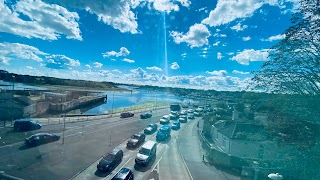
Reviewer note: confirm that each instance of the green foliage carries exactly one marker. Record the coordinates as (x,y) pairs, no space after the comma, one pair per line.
(222,105)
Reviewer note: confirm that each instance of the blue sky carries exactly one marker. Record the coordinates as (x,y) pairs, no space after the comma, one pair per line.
(183,43)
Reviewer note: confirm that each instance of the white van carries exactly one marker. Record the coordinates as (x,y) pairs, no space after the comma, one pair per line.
(146,153)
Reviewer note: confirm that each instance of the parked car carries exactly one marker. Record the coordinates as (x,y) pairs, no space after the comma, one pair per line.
(197,113)
(183,112)
(190,116)
(208,105)
(124,174)
(190,111)
(146,153)
(151,128)
(185,105)
(163,133)
(175,125)
(146,115)
(209,109)
(184,117)
(173,116)
(26,125)
(110,160)
(183,120)
(165,119)
(41,138)
(126,115)
(136,140)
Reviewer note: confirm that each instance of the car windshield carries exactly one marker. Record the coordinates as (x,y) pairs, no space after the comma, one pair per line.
(135,136)
(144,151)
(241,76)
(109,157)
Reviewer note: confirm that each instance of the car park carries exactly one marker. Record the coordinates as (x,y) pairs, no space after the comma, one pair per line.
(126,115)
(146,153)
(110,160)
(136,140)
(41,138)
(174,116)
(190,111)
(190,116)
(124,174)
(163,133)
(183,112)
(26,125)
(175,125)
(151,128)
(146,115)
(183,120)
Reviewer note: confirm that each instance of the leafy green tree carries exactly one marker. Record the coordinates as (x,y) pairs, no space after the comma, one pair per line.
(294,62)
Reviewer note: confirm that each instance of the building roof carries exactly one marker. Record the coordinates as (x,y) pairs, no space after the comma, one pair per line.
(242,131)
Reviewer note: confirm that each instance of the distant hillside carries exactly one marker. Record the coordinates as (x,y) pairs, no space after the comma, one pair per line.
(44,80)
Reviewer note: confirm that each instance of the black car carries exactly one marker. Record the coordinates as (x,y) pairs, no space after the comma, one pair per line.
(136,140)
(145,115)
(126,115)
(124,174)
(26,125)
(110,160)
(41,138)
(151,128)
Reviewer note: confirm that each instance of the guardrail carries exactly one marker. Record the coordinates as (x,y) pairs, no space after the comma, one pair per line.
(61,120)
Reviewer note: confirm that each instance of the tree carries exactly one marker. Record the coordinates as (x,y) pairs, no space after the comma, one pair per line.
(294,63)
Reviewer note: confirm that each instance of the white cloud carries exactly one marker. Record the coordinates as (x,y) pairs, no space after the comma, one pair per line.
(128,60)
(216,43)
(217,73)
(220,35)
(228,11)
(46,21)
(184,55)
(168,5)
(154,68)
(117,14)
(275,38)
(123,52)
(219,55)
(29,67)
(138,73)
(248,55)
(10,51)
(97,64)
(59,61)
(230,53)
(239,72)
(116,71)
(197,36)
(247,38)
(174,66)
(87,65)
(238,27)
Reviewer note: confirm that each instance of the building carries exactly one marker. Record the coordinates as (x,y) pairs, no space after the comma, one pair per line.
(240,139)
(54,97)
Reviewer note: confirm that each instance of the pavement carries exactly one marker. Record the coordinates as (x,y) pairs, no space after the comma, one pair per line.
(192,154)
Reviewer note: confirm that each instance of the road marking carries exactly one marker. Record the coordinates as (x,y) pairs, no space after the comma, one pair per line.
(157,165)
(119,168)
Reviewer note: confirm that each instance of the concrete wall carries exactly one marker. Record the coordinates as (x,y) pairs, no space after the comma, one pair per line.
(75,103)
(30,110)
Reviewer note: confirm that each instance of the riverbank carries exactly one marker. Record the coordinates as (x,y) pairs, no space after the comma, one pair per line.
(76,88)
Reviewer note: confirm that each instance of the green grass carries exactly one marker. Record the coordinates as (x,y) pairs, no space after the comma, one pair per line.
(9,136)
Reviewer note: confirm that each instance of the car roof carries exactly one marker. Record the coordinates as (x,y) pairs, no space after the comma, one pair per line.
(24,120)
(148,144)
(115,151)
(165,127)
(122,173)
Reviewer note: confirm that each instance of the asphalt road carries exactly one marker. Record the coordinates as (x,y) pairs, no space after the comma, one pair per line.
(84,143)
(167,157)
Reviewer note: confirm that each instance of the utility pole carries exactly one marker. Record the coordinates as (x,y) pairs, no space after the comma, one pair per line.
(112,103)
(12,99)
(64,127)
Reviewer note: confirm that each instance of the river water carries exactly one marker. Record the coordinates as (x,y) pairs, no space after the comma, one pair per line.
(125,99)
(116,99)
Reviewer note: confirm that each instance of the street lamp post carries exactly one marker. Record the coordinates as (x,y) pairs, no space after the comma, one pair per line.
(12,99)
(112,103)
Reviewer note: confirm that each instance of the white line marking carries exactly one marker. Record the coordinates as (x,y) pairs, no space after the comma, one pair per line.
(184,162)
(156,165)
